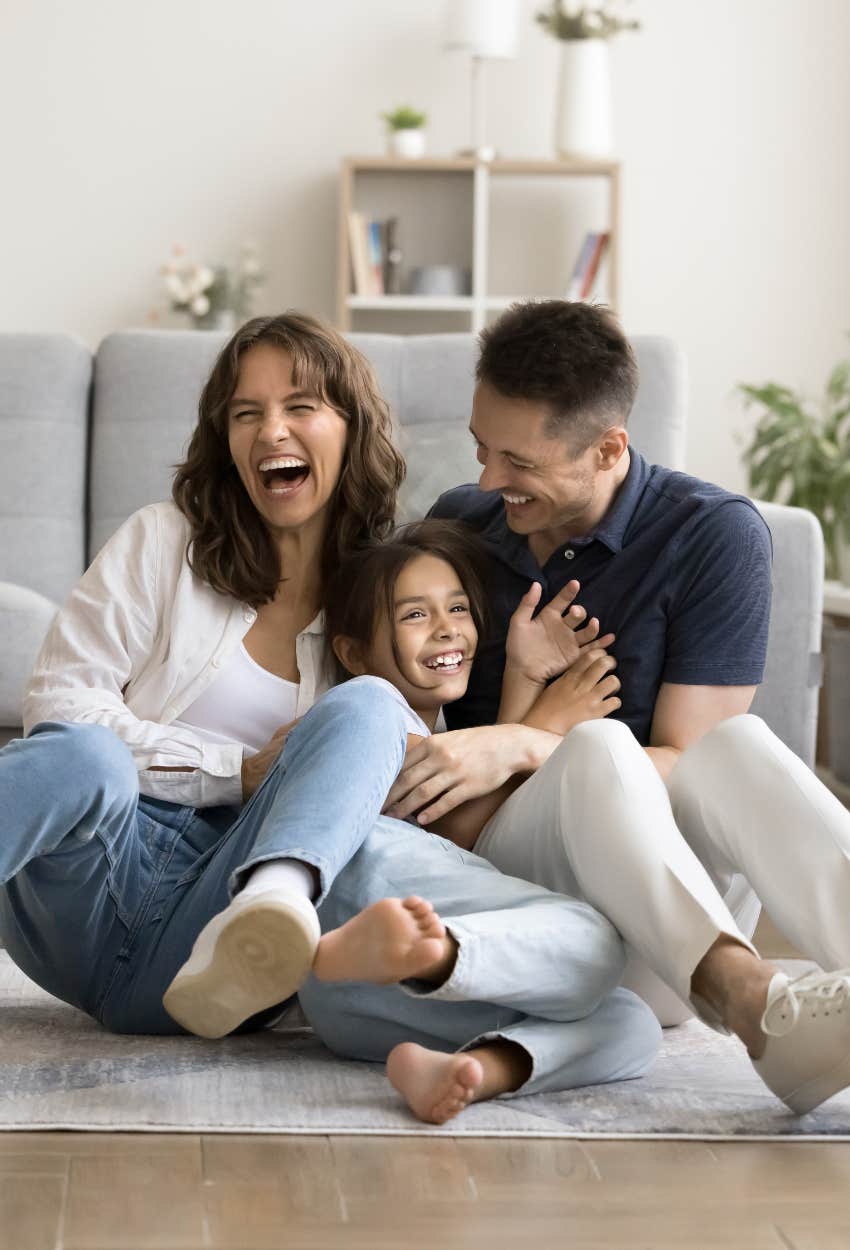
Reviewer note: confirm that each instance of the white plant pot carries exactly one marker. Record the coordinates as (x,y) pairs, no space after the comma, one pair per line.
(408,144)
(583,117)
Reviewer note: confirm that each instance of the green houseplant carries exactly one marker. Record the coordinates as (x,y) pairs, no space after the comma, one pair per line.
(405,118)
(799,454)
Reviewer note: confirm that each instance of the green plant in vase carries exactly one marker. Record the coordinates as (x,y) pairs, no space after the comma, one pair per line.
(583,21)
(799,454)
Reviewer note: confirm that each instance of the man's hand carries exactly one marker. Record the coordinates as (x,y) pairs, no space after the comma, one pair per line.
(544,646)
(256,766)
(586,691)
(447,769)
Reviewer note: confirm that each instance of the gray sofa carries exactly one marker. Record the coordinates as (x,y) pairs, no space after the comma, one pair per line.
(86,441)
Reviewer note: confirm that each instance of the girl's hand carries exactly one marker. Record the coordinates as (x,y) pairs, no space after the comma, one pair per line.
(587,691)
(544,646)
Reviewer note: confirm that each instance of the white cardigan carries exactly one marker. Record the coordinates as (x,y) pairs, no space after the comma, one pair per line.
(138,640)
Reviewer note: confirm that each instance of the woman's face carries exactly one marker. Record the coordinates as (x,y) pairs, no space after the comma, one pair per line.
(288,446)
(435,637)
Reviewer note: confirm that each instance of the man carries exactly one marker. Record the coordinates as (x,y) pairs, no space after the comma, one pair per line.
(660,815)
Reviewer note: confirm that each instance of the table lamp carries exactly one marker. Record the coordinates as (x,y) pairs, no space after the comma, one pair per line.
(487,30)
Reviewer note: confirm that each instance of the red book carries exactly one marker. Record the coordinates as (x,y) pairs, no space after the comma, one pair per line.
(594,262)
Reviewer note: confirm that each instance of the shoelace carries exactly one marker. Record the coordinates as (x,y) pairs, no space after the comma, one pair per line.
(825,990)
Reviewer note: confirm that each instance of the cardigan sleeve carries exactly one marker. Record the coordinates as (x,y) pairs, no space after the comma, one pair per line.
(103,635)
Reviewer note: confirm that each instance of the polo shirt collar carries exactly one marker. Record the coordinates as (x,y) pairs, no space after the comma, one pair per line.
(611,530)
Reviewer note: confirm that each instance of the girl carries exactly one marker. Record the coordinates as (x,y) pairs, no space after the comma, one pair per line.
(409,613)
(411,610)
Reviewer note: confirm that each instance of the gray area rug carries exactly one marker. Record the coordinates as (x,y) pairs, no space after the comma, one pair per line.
(60,1070)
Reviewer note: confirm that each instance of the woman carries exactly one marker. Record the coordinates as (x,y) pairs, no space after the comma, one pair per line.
(150,808)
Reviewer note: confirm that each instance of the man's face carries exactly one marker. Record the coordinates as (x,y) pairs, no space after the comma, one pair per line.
(545,488)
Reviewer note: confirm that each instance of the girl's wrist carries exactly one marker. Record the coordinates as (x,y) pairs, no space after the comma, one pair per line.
(518,676)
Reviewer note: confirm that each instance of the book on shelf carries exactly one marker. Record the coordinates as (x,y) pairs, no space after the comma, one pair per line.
(392,257)
(375,255)
(361,278)
(588,264)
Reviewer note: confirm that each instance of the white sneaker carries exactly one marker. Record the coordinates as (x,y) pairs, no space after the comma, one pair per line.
(251,956)
(807,1022)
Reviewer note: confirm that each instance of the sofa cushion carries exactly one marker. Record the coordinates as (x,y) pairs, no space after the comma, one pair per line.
(44,397)
(25,617)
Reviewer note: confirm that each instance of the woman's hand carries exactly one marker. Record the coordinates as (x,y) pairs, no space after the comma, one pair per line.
(254,768)
(542,647)
(586,691)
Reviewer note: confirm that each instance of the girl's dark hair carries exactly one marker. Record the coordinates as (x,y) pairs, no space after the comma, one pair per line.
(230,548)
(363,589)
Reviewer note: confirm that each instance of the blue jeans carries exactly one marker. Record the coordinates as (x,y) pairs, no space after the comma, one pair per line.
(534,968)
(103,894)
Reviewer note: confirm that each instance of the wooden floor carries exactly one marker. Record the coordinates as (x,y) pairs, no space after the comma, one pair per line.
(95,1191)
(81,1191)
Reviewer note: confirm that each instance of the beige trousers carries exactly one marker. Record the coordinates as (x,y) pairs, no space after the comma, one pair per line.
(742,821)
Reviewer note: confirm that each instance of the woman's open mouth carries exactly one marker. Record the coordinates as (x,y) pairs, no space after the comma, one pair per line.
(283,475)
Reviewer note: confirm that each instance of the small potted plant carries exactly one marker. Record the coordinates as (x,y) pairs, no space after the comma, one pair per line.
(405,132)
(799,454)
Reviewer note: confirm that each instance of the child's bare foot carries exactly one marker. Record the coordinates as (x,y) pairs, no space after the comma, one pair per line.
(434,1085)
(390,941)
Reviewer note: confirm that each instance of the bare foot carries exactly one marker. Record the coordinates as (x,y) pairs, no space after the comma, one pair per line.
(390,941)
(435,1086)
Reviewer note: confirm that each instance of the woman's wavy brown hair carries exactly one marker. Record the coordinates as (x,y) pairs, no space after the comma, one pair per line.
(230,548)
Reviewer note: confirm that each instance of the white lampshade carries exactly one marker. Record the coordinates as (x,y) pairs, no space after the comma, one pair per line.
(488,28)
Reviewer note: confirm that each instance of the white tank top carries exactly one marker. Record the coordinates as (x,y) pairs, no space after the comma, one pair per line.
(246,703)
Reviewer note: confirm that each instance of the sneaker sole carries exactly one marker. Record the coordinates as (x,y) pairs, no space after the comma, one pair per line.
(810,1095)
(258,959)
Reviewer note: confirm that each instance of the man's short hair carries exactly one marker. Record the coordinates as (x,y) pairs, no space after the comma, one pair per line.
(573,357)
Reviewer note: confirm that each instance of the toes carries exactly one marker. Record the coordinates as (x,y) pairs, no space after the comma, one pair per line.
(419,907)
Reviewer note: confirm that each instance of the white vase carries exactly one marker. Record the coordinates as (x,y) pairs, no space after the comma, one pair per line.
(408,144)
(583,117)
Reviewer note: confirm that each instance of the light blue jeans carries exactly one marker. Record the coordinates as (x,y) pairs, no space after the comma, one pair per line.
(102,894)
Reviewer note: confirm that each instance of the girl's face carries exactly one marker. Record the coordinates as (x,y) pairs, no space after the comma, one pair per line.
(288,447)
(435,637)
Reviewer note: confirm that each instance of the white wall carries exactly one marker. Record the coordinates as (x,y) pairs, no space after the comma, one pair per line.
(128,127)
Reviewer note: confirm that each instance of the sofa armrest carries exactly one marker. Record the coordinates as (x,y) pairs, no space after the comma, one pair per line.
(25,617)
(788,698)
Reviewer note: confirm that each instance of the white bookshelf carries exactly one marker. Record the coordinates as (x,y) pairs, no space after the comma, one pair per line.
(516,226)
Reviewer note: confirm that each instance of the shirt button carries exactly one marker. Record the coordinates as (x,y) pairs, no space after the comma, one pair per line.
(569,554)
(250,615)
(216,662)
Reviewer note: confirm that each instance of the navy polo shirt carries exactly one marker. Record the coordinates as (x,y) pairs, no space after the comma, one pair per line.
(678,569)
